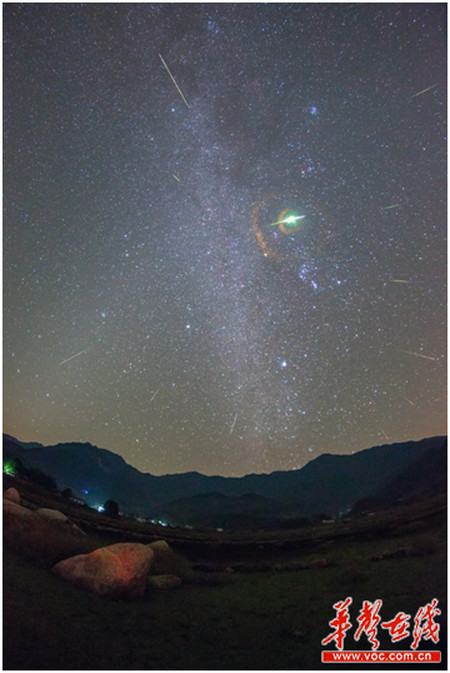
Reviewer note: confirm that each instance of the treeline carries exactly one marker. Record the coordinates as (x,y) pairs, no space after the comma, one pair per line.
(15,467)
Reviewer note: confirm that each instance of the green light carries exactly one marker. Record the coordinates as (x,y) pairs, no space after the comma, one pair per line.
(9,467)
(290,221)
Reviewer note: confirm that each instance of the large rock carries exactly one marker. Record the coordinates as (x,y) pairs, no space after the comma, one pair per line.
(168,561)
(56,515)
(40,538)
(12,494)
(51,514)
(14,515)
(117,571)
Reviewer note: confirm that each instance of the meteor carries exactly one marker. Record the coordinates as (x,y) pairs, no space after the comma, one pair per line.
(233,424)
(419,355)
(154,395)
(398,280)
(173,80)
(72,357)
(419,93)
(288,220)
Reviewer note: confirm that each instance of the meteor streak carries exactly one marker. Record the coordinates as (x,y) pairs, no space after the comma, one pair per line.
(72,357)
(288,220)
(233,424)
(154,395)
(419,93)
(398,280)
(419,355)
(173,80)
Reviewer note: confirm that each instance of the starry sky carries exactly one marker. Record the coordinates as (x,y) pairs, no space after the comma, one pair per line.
(224,229)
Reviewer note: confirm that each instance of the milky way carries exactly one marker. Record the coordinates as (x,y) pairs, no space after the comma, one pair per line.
(155,303)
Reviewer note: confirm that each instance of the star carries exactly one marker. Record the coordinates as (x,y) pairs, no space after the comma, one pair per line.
(204,234)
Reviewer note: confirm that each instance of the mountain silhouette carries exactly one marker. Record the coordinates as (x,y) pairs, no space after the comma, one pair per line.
(328,484)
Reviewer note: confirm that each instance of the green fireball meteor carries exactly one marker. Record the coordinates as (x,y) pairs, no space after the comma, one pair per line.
(292,219)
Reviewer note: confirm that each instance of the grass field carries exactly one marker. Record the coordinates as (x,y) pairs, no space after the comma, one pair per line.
(269,620)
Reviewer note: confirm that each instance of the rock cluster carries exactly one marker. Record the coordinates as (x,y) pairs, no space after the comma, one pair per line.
(123,570)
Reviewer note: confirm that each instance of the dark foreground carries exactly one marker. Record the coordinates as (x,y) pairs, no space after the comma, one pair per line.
(257,620)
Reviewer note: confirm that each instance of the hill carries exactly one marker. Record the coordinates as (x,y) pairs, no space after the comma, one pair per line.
(328,484)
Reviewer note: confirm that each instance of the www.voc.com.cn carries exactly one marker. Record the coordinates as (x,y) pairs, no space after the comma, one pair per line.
(381,657)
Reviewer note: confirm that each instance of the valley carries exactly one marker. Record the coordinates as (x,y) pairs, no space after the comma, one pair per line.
(259,600)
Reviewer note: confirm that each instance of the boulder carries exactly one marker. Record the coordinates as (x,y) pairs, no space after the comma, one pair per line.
(168,561)
(39,538)
(51,514)
(14,514)
(117,571)
(56,515)
(161,547)
(164,581)
(13,495)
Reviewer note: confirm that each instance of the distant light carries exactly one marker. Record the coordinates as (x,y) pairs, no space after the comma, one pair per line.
(9,467)
(283,363)
(85,492)
(100,508)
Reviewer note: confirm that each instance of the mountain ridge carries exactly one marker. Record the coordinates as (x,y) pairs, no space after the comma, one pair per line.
(329,483)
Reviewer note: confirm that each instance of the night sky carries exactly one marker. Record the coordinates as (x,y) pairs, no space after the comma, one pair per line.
(224,230)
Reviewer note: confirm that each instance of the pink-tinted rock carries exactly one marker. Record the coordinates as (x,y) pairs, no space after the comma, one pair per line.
(13,495)
(14,514)
(117,571)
